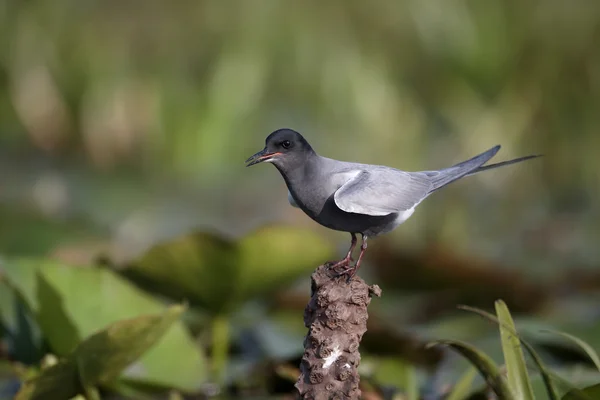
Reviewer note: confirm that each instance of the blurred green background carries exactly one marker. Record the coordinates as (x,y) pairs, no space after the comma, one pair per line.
(126,124)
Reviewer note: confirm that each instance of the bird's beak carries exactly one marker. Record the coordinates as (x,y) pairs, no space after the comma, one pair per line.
(261,156)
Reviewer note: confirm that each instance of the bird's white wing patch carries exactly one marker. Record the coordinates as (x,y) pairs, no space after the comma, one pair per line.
(292,201)
(382,191)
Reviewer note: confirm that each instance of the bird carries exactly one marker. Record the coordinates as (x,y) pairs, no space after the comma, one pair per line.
(364,199)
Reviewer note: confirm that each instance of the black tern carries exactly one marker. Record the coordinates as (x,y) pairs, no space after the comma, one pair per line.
(357,198)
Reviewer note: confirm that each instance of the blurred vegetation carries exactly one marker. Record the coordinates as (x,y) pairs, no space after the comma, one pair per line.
(123,131)
(516,382)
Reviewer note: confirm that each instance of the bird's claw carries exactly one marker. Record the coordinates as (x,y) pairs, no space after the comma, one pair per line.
(344,262)
(350,271)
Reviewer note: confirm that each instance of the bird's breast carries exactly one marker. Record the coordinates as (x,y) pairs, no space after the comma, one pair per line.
(309,200)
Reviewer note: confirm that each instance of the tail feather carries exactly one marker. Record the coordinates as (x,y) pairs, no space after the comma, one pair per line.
(445,176)
(502,164)
(470,167)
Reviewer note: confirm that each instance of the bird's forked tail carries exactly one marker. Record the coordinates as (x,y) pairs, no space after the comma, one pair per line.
(471,167)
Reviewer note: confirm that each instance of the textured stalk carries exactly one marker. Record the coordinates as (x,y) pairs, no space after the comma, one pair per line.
(336,318)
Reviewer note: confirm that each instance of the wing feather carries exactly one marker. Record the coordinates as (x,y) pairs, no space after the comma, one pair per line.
(382,191)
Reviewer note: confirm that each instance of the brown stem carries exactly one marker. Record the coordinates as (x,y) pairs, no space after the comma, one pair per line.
(336,318)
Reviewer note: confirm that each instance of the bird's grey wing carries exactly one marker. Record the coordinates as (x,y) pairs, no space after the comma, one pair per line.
(382,191)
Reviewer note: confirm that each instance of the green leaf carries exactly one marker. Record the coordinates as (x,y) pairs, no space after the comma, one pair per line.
(589,393)
(462,389)
(274,256)
(199,268)
(518,376)
(59,381)
(484,364)
(558,381)
(410,383)
(218,274)
(547,376)
(100,358)
(71,303)
(589,350)
(397,372)
(22,334)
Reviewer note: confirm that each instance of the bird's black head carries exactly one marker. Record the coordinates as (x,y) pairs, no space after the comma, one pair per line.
(285,148)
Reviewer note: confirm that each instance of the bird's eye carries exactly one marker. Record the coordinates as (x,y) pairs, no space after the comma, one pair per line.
(286,144)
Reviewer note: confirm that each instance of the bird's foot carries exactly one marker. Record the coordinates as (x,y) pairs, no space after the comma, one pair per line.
(349,271)
(344,262)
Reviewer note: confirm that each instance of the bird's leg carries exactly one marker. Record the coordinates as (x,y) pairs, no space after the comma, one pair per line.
(351,270)
(344,262)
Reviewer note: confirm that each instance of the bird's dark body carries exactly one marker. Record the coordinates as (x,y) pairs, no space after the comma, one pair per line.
(317,200)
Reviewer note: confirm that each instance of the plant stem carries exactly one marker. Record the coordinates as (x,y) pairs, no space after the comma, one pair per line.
(220,347)
(336,318)
(92,393)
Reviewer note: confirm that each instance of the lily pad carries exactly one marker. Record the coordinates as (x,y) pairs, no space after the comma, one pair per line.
(71,303)
(219,274)
(199,268)
(100,358)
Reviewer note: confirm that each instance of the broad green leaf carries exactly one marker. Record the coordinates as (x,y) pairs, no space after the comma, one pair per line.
(100,358)
(484,364)
(589,350)
(589,393)
(71,303)
(218,274)
(462,389)
(516,368)
(199,268)
(274,256)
